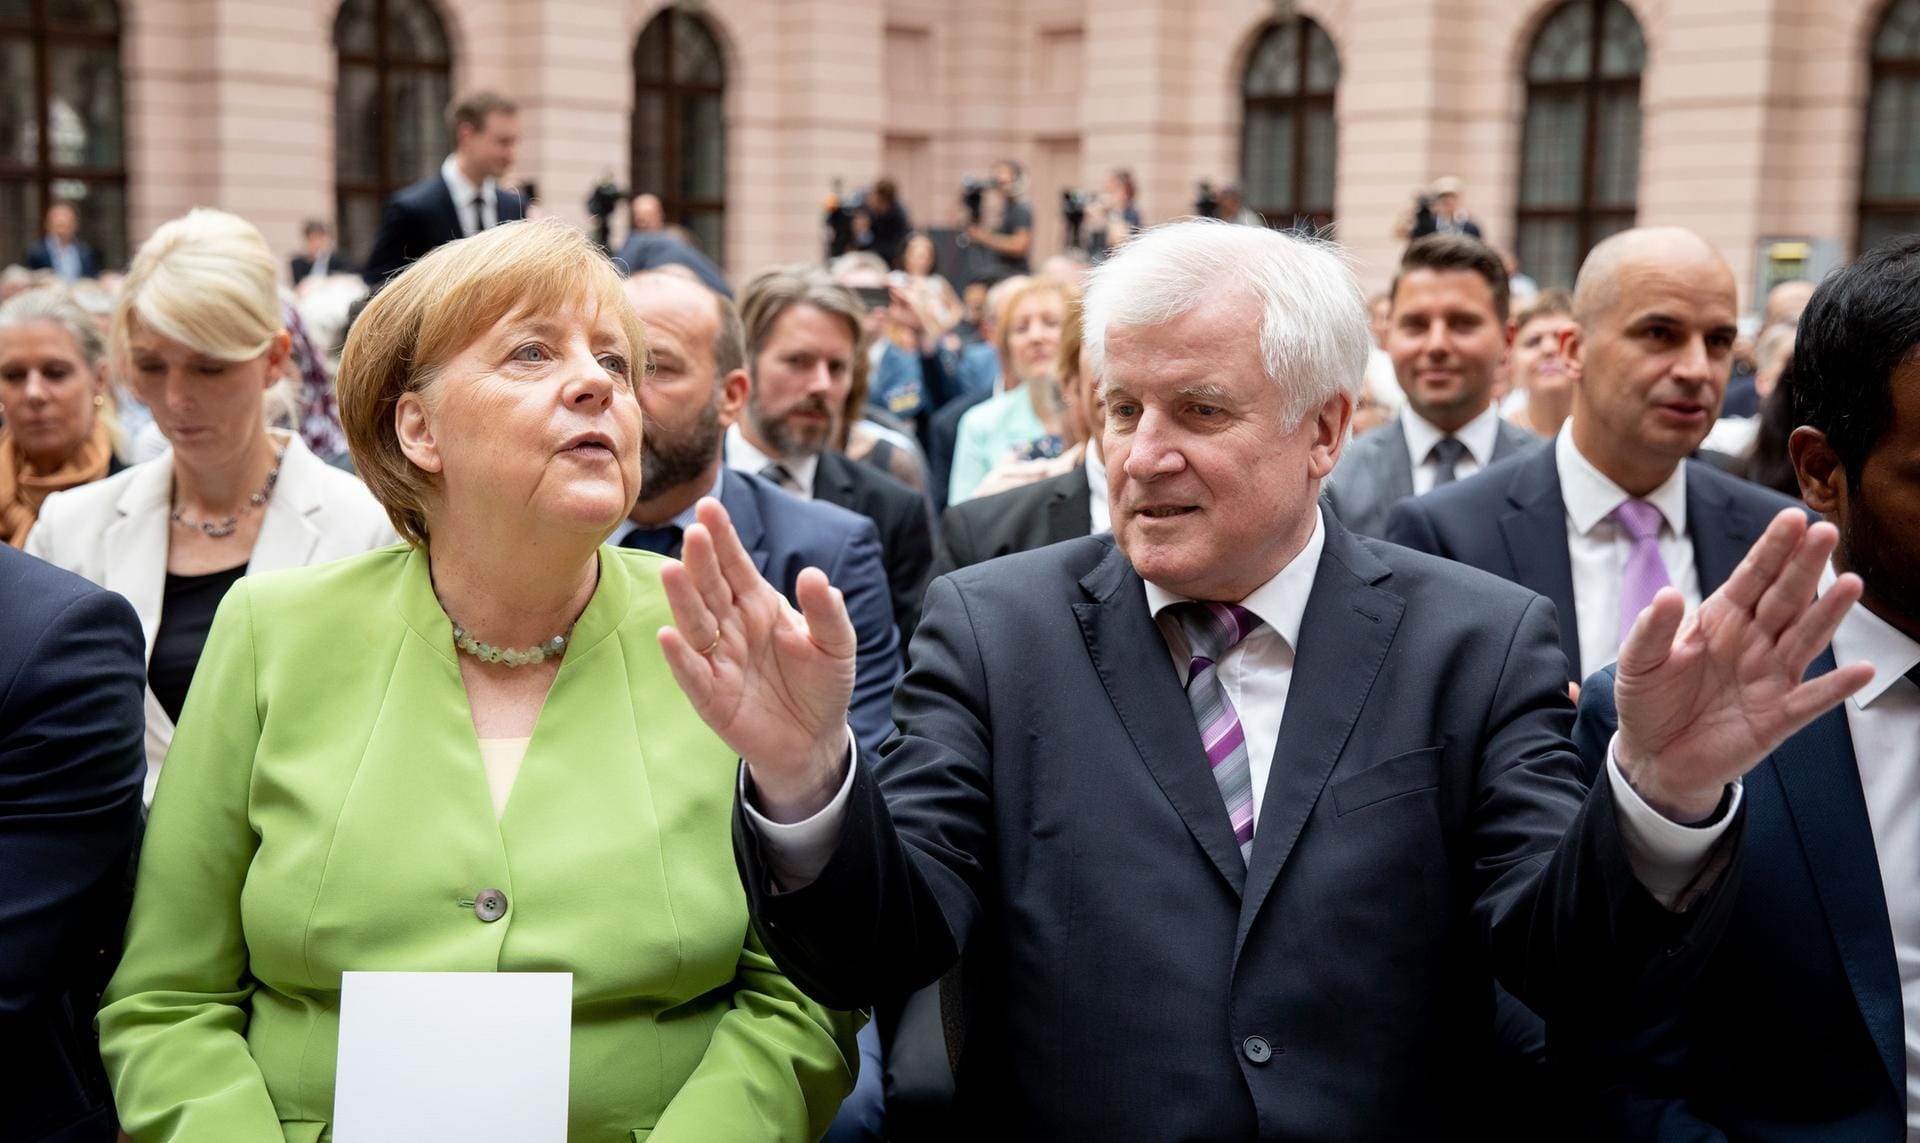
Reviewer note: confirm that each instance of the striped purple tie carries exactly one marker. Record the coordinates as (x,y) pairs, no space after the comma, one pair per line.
(1212,630)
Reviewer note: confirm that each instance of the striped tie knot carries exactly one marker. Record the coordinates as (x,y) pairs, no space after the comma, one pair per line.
(1213,629)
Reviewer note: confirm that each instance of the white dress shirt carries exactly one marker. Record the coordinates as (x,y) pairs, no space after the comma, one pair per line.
(1479,435)
(463,192)
(1883,718)
(1598,547)
(1257,674)
(744,456)
(1098,506)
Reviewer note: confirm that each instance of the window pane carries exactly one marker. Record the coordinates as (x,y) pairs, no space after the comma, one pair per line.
(1275,68)
(649,143)
(1268,159)
(1899,37)
(1623,52)
(1546,250)
(1563,48)
(19,131)
(708,229)
(1316,192)
(696,56)
(85,110)
(354,31)
(414,32)
(93,15)
(356,126)
(1878,228)
(420,101)
(1554,159)
(16,12)
(19,219)
(650,57)
(102,208)
(1616,175)
(702,147)
(1893,138)
(1323,63)
(359,221)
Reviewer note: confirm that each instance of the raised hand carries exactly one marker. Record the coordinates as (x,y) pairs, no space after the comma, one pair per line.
(1702,701)
(771,681)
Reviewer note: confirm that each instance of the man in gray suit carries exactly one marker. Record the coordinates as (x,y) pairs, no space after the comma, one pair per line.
(1447,335)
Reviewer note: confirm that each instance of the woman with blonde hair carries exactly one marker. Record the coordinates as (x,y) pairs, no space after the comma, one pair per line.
(466,754)
(57,429)
(1026,420)
(197,337)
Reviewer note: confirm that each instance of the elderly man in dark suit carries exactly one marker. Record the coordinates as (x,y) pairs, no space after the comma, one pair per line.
(1234,815)
(1825,932)
(72,680)
(1615,508)
(61,250)
(1447,334)
(464,197)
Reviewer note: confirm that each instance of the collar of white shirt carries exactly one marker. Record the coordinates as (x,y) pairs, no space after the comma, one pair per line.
(1098,507)
(1591,497)
(1479,435)
(464,190)
(1864,637)
(1281,602)
(742,456)
(683,521)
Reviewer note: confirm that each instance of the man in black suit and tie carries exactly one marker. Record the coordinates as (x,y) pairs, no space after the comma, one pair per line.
(1806,1025)
(1447,334)
(61,249)
(803,331)
(1226,855)
(1616,508)
(72,677)
(463,198)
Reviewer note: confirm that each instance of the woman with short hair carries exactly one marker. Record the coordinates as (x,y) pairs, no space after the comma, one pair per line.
(1025,421)
(197,336)
(56,415)
(465,754)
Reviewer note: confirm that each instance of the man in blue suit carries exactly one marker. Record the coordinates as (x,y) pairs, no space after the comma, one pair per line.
(61,250)
(72,677)
(1806,1024)
(463,197)
(1615,507)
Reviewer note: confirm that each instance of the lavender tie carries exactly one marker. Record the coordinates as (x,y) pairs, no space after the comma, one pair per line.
(1645,573)
(1212,630)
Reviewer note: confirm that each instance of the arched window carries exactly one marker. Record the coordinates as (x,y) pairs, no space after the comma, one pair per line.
(679,125)
(61,127)
(1580,149)
(1890,161)
(389,108)
(1287,140)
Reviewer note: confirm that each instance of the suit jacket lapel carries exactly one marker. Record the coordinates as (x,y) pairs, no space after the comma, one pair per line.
(1397,472)
(1720,529)
(1536,537)
(290,529)
(1821,783)
(449,212)
(140,536)
(1070,509)
(1130,655)
(1512,440)
(744,510)
(1344,635)
(832,482)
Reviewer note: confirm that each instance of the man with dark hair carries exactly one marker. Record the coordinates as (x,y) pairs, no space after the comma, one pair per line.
(1616,509)
(1009,242)
(319,258)
(1806,1022)
(464,198)
(1447,334)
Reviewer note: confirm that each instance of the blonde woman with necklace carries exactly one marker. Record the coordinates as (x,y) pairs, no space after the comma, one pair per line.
(197,337)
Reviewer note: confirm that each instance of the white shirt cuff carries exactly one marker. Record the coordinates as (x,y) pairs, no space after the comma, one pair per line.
(798,851)
(1676,863)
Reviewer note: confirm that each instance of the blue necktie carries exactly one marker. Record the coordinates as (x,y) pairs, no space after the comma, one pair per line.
(665,541)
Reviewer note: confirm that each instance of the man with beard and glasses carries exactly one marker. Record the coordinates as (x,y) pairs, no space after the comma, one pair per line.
(698,387)
(1806,1024)
(803,332)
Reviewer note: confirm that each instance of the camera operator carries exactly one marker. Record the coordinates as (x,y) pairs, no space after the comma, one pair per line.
(1010,240)
(887,225)
(1112,218)
(1437,210)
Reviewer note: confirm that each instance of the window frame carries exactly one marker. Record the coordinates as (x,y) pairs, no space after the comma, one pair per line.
(384,67)
(676,207)
(42,36)
(1866,207)
(1301,103)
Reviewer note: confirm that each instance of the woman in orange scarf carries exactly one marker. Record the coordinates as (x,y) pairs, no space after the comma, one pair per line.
(58,430)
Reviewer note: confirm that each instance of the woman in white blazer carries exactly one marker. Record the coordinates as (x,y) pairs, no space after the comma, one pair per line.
(197,336)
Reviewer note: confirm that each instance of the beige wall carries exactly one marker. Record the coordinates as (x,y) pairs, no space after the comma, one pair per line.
(1751,108)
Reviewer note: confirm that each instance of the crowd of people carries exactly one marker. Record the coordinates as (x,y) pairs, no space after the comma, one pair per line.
(1160,694)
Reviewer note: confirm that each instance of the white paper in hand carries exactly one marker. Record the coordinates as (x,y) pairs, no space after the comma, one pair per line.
(475,1056)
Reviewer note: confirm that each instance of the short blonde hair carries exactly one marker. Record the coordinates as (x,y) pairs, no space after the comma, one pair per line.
(437,307)
(207,281)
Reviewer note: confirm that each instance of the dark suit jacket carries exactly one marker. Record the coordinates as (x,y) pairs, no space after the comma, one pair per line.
(1375,473)
(1795,1030)
(1510,520)
(785,535)
(644,251)
(40,257)
(906,530)
(942,437)
(1017,520)
(1047,808)
(338,263)
(72,681)
(419,218)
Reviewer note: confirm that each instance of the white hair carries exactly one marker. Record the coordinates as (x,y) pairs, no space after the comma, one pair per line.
(1314,329)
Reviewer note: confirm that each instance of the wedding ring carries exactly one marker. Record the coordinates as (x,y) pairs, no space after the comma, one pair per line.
(708,649)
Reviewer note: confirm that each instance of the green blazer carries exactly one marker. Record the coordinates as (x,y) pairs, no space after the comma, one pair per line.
(324,808)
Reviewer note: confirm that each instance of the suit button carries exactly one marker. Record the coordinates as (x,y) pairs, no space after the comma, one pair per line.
(490,905)
(1257,1049)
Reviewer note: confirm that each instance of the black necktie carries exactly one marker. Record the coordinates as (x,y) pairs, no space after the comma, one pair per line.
(1446,452)
(479,212)
(665,541)
(1913,675)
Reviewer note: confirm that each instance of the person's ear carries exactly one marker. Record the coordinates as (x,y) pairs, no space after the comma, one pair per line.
(1330,424)
(1571,350)
(413,427)
(1823,479)
(735,388)
(278,350)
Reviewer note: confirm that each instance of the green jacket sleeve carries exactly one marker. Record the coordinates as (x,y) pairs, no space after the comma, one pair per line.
(173,1029)
(776,1069)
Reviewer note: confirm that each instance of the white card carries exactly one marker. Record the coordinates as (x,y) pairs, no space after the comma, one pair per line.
(475,1056)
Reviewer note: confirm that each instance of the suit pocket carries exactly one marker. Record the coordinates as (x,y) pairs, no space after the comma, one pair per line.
(1408,773)
(303,1130)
